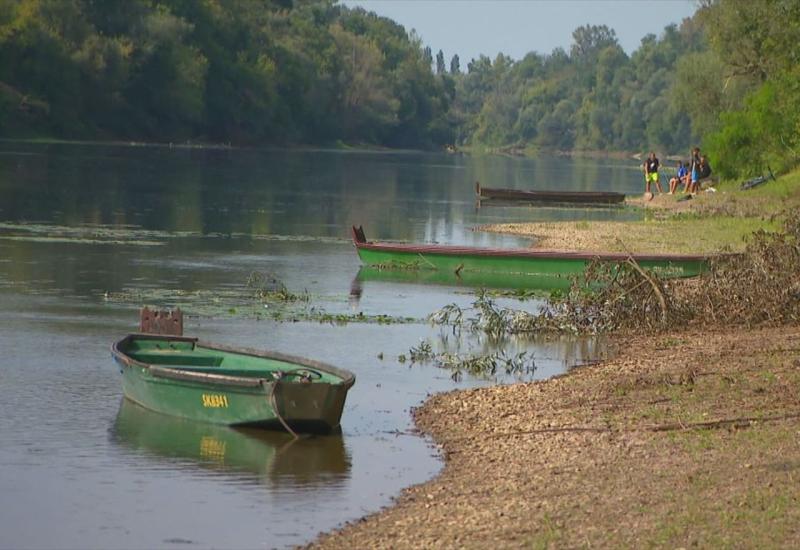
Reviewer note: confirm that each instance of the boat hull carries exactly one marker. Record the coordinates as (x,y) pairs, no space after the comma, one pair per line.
(581,197)
(233,400)
(519,263)
(552,263)
(469,279)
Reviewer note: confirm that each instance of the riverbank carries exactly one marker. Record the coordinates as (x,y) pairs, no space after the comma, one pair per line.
(706,223)
(682,439)
(686,437)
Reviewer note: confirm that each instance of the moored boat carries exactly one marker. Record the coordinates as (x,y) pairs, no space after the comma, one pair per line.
(584,197)
(188,378)
(522,261)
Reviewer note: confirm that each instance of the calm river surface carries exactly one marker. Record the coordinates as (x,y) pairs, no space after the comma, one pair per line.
(90,233)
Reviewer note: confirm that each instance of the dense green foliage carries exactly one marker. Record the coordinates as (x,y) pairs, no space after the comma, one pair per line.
(313,71)
(594,97)
(756,44)
(220,70)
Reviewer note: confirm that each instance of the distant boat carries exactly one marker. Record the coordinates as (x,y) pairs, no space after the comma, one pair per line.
(520,261)
(582,197)
(187,378)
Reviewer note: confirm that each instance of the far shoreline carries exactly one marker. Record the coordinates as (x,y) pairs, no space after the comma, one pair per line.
(475,150)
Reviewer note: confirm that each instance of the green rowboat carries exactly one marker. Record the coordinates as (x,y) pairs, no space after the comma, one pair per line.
(520,261)
(187,378)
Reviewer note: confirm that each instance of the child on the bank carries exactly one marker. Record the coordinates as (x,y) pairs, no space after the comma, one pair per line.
(679,177)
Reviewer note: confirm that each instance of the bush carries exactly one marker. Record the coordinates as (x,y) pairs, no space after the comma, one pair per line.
(762,134)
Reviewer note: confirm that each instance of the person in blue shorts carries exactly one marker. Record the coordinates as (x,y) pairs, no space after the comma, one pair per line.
(695,169)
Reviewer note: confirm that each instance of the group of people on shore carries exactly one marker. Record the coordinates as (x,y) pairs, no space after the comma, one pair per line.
(691,174)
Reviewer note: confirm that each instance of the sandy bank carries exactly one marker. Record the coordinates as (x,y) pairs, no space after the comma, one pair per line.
(721,222)
(680,440)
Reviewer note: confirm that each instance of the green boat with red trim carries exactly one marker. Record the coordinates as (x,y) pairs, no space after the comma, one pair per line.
(188,378)
(518,261)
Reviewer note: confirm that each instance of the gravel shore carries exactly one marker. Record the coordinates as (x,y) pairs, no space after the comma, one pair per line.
(682,439)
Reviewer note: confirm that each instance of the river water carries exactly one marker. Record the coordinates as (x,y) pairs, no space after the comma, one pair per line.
(89,233)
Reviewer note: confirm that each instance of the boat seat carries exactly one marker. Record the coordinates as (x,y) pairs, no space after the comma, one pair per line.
(179,359)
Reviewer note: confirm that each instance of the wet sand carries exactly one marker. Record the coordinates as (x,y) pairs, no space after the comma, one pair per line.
(680,440)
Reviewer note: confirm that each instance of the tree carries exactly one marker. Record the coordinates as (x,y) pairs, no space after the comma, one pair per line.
(754,39)
(368,102)
(455,66)
(427,56)
(440,66)
(589,40)
(310,71)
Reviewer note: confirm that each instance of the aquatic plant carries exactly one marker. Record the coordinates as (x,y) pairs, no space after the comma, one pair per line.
(421,353)
(519,293)
(241,303)
(450,315)
(487,365)
(478,365)
(268,288)
(484,316)
(360,317)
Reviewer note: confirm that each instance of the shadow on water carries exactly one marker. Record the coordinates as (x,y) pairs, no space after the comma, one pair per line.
(273,457)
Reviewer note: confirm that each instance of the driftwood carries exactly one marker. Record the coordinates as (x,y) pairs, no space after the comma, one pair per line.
(660,295)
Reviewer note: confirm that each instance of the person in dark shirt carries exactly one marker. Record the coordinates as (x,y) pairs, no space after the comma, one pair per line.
(651,173)
(704,175)
(705,169)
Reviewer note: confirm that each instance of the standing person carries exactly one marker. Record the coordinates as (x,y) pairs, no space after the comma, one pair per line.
(695,164)
(651,173)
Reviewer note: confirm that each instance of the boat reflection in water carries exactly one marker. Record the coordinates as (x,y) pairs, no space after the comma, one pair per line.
(274,457)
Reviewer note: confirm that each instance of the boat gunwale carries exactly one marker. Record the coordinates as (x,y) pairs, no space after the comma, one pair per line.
(347,377)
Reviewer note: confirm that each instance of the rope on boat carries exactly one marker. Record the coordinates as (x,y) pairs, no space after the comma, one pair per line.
(274,404)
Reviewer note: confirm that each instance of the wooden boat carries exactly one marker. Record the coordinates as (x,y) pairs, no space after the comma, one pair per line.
(557,263)
(187,378)
(585,197)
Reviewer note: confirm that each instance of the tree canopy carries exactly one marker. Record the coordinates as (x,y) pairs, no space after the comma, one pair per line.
(314,71)
(221,70)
